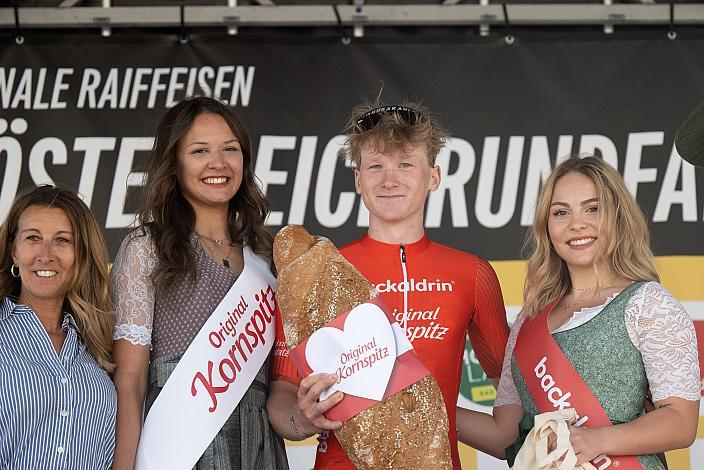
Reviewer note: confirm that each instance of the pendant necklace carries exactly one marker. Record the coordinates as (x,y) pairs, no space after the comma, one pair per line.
(220,242)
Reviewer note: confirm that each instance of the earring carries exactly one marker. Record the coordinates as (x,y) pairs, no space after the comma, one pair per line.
(12,270)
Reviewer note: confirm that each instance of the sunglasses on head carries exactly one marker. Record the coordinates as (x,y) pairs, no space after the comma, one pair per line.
(371,119)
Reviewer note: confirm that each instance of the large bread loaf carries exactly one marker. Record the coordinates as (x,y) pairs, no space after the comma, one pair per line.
(408,430)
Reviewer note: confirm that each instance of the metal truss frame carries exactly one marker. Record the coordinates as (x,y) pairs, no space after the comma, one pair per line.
(355,15)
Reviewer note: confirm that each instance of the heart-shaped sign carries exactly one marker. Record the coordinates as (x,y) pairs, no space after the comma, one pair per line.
(363,353)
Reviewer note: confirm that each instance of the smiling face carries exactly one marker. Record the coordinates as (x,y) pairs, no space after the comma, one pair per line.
(210,162)
(394,187)
(573,223)
(45,253)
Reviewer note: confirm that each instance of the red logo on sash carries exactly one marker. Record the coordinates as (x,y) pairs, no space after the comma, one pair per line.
(554,384)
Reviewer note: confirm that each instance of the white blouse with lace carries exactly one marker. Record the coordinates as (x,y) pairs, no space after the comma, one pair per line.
(133,291)
(658,326)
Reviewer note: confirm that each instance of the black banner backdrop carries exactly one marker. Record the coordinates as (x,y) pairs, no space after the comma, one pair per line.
(82,111)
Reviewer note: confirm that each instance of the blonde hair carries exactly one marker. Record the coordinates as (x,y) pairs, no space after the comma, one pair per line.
(88,291)
(393,134)
(627,253)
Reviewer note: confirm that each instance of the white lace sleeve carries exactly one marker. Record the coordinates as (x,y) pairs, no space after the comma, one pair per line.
(132,289)
(661,329)
(507,393)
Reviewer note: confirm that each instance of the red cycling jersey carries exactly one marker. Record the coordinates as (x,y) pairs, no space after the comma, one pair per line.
(445,294)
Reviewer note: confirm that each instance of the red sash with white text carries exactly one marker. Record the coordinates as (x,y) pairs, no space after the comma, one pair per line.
(555,385)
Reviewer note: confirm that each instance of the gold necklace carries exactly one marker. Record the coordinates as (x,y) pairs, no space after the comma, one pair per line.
(583,289)
(567,306)
(225,260)
(609,285)
(220,242)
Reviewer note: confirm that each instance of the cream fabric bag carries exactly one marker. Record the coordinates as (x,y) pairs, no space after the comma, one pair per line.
(534,453)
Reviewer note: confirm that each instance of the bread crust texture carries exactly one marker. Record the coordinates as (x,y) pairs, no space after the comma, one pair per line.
(315,285)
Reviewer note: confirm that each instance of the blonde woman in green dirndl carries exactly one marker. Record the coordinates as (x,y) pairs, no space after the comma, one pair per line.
(597,333)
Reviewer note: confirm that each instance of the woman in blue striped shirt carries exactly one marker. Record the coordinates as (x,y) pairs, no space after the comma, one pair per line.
(57,402)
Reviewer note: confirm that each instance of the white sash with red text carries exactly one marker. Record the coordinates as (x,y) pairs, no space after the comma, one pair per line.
(214,373)
(554,384)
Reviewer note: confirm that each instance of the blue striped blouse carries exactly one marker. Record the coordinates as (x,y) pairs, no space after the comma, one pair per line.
(56,412)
